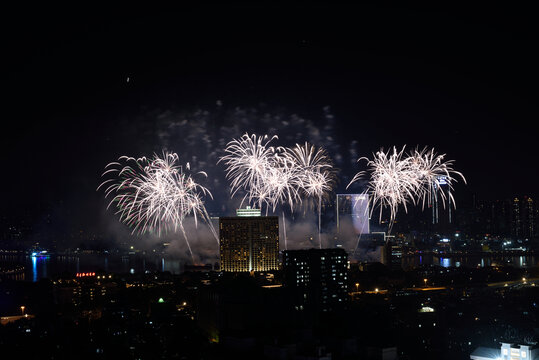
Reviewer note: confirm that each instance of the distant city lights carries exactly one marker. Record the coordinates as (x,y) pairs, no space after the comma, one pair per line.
(85,274)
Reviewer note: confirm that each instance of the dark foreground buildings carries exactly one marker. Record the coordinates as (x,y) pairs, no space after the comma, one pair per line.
(250,314)
(317,278)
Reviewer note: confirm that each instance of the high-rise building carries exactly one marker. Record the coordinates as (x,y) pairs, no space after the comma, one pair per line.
(394,251)
(528,218)
(523,218)
(249,243)
(497,217)
(516,218)
(516,230)
(317,278)
(352,213)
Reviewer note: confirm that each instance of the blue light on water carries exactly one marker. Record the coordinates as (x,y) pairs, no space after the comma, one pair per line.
(34,268)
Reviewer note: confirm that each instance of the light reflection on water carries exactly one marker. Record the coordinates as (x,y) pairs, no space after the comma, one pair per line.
(34,269)
(470,261)
(37,268)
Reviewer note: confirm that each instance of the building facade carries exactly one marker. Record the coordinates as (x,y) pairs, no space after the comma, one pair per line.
(394,252)
(523,218)
(249,243)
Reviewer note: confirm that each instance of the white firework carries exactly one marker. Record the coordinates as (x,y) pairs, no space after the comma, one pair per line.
(397,179)
(155,195)
(248,160)
(315,174)
(432,172)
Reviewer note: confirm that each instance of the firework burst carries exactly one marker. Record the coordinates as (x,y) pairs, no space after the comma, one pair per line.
(431,172)
(248,161)
(315,174)
(390,183)
(281,183)
(155,195)
(399,179)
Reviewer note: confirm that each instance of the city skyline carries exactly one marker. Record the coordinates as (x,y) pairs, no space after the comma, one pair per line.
(307,180)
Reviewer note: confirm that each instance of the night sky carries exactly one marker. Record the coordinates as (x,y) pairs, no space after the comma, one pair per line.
(83,87)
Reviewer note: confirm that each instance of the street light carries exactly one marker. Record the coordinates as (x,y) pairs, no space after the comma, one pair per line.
(357,287)
(425,280)
(22,310)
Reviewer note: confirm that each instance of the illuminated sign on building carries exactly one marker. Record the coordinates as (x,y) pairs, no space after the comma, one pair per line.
(248,212)
(442,180)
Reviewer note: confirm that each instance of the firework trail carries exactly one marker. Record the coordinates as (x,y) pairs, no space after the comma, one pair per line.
(282,186)
(315,174)
(155,195)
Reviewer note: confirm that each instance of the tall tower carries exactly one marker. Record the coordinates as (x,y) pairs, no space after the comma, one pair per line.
(516,230)
(523,218)
(249,242)
(528,218)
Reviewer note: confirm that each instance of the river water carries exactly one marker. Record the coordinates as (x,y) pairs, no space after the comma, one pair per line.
(471,261)
(36,268)
(47,267)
